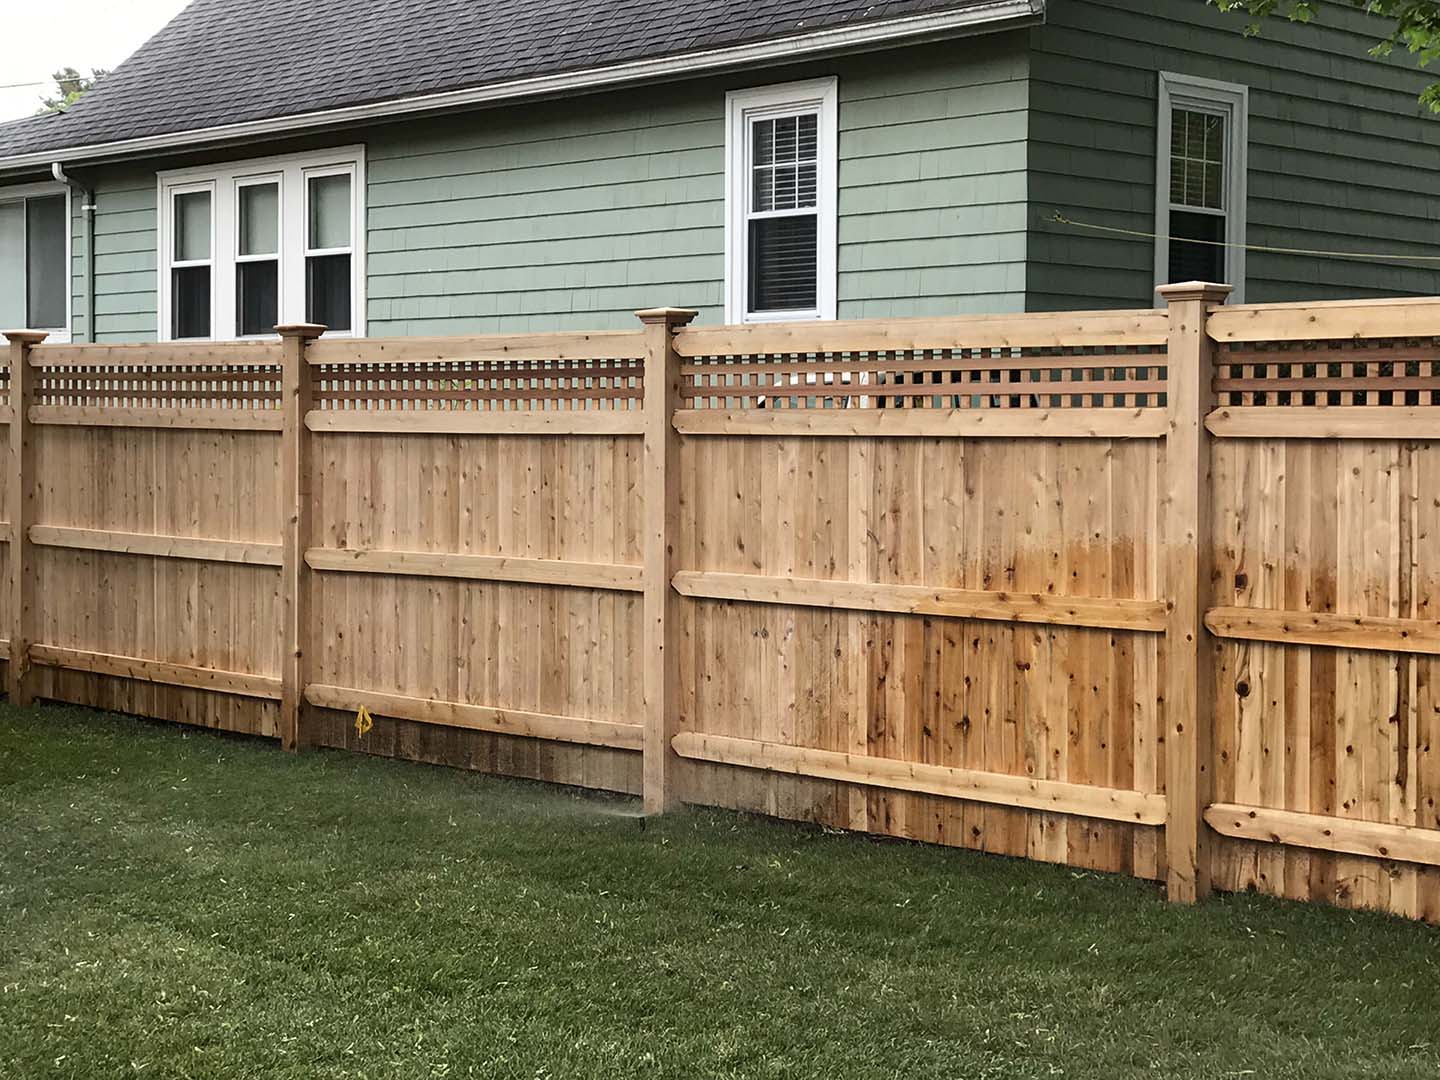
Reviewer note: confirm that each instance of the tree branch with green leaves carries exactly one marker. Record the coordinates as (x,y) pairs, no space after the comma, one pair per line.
(1416,26)
(70,87)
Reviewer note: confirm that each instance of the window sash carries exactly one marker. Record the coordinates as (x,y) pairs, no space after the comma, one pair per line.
(320,174)
(1223,163)
(277,182)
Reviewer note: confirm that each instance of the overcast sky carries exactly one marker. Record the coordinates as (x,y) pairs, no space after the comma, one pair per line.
(42,36)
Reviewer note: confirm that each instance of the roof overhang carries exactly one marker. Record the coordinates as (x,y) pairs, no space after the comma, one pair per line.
(988,17)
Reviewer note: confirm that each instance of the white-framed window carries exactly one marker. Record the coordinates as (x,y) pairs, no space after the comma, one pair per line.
(35,259)
(1200,184)
(781,160)
(248,245)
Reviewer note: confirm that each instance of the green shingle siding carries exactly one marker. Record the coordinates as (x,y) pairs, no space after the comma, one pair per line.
(1342,156)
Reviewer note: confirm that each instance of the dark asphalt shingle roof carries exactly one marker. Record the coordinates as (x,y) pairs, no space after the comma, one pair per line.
(230,61)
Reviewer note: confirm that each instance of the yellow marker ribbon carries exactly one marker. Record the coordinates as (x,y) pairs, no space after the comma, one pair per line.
(363,722)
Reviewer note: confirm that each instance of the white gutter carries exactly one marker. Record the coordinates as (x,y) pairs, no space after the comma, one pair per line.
(979,18)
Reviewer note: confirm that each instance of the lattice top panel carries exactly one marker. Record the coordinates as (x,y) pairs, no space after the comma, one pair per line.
(1401,373)
(930,379)
(1080,360)
(244,376)
(588,372)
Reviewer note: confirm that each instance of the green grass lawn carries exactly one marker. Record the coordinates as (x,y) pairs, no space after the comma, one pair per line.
(182,904)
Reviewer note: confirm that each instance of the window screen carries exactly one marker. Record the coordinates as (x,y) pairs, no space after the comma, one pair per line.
(12,265)
(46,274)
(329,212)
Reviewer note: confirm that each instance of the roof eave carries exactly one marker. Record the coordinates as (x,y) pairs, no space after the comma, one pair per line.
(982,18)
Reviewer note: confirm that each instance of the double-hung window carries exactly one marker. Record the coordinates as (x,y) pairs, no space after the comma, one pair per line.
(250,245)
(780,212)
(1201,182)
(329,251)
(35,259)
(257,255)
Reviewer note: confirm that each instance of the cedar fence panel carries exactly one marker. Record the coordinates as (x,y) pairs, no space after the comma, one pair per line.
(1144,592)
(941,550)
(1326,516)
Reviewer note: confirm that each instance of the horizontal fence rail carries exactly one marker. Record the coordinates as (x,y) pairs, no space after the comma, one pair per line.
(1150,592)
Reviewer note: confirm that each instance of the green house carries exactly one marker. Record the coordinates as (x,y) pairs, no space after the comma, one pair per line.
(393,167)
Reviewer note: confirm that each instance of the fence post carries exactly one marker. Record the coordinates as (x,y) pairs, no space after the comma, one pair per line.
(21,512)
(296,399)
(662,512)
(1189,566)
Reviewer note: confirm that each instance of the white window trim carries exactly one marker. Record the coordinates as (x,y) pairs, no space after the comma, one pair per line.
(741,107)
(1231,101)
(225,179)
(59,335)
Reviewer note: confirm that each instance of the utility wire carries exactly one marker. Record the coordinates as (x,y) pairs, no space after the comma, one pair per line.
(1060,219)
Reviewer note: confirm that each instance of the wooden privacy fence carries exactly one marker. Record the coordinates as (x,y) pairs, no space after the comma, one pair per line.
(1151,592)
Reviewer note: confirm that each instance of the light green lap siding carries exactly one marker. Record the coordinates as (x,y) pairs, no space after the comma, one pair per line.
(1342,157)
(563,215)
(125,259)
(577,213)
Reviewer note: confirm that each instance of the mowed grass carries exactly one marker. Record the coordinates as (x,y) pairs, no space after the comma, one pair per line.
(182,904)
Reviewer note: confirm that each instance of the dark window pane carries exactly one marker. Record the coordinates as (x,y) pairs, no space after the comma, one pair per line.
(1191,261)
(257,297)
(190,302)
(46,276)
(327,291)
(783,264)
